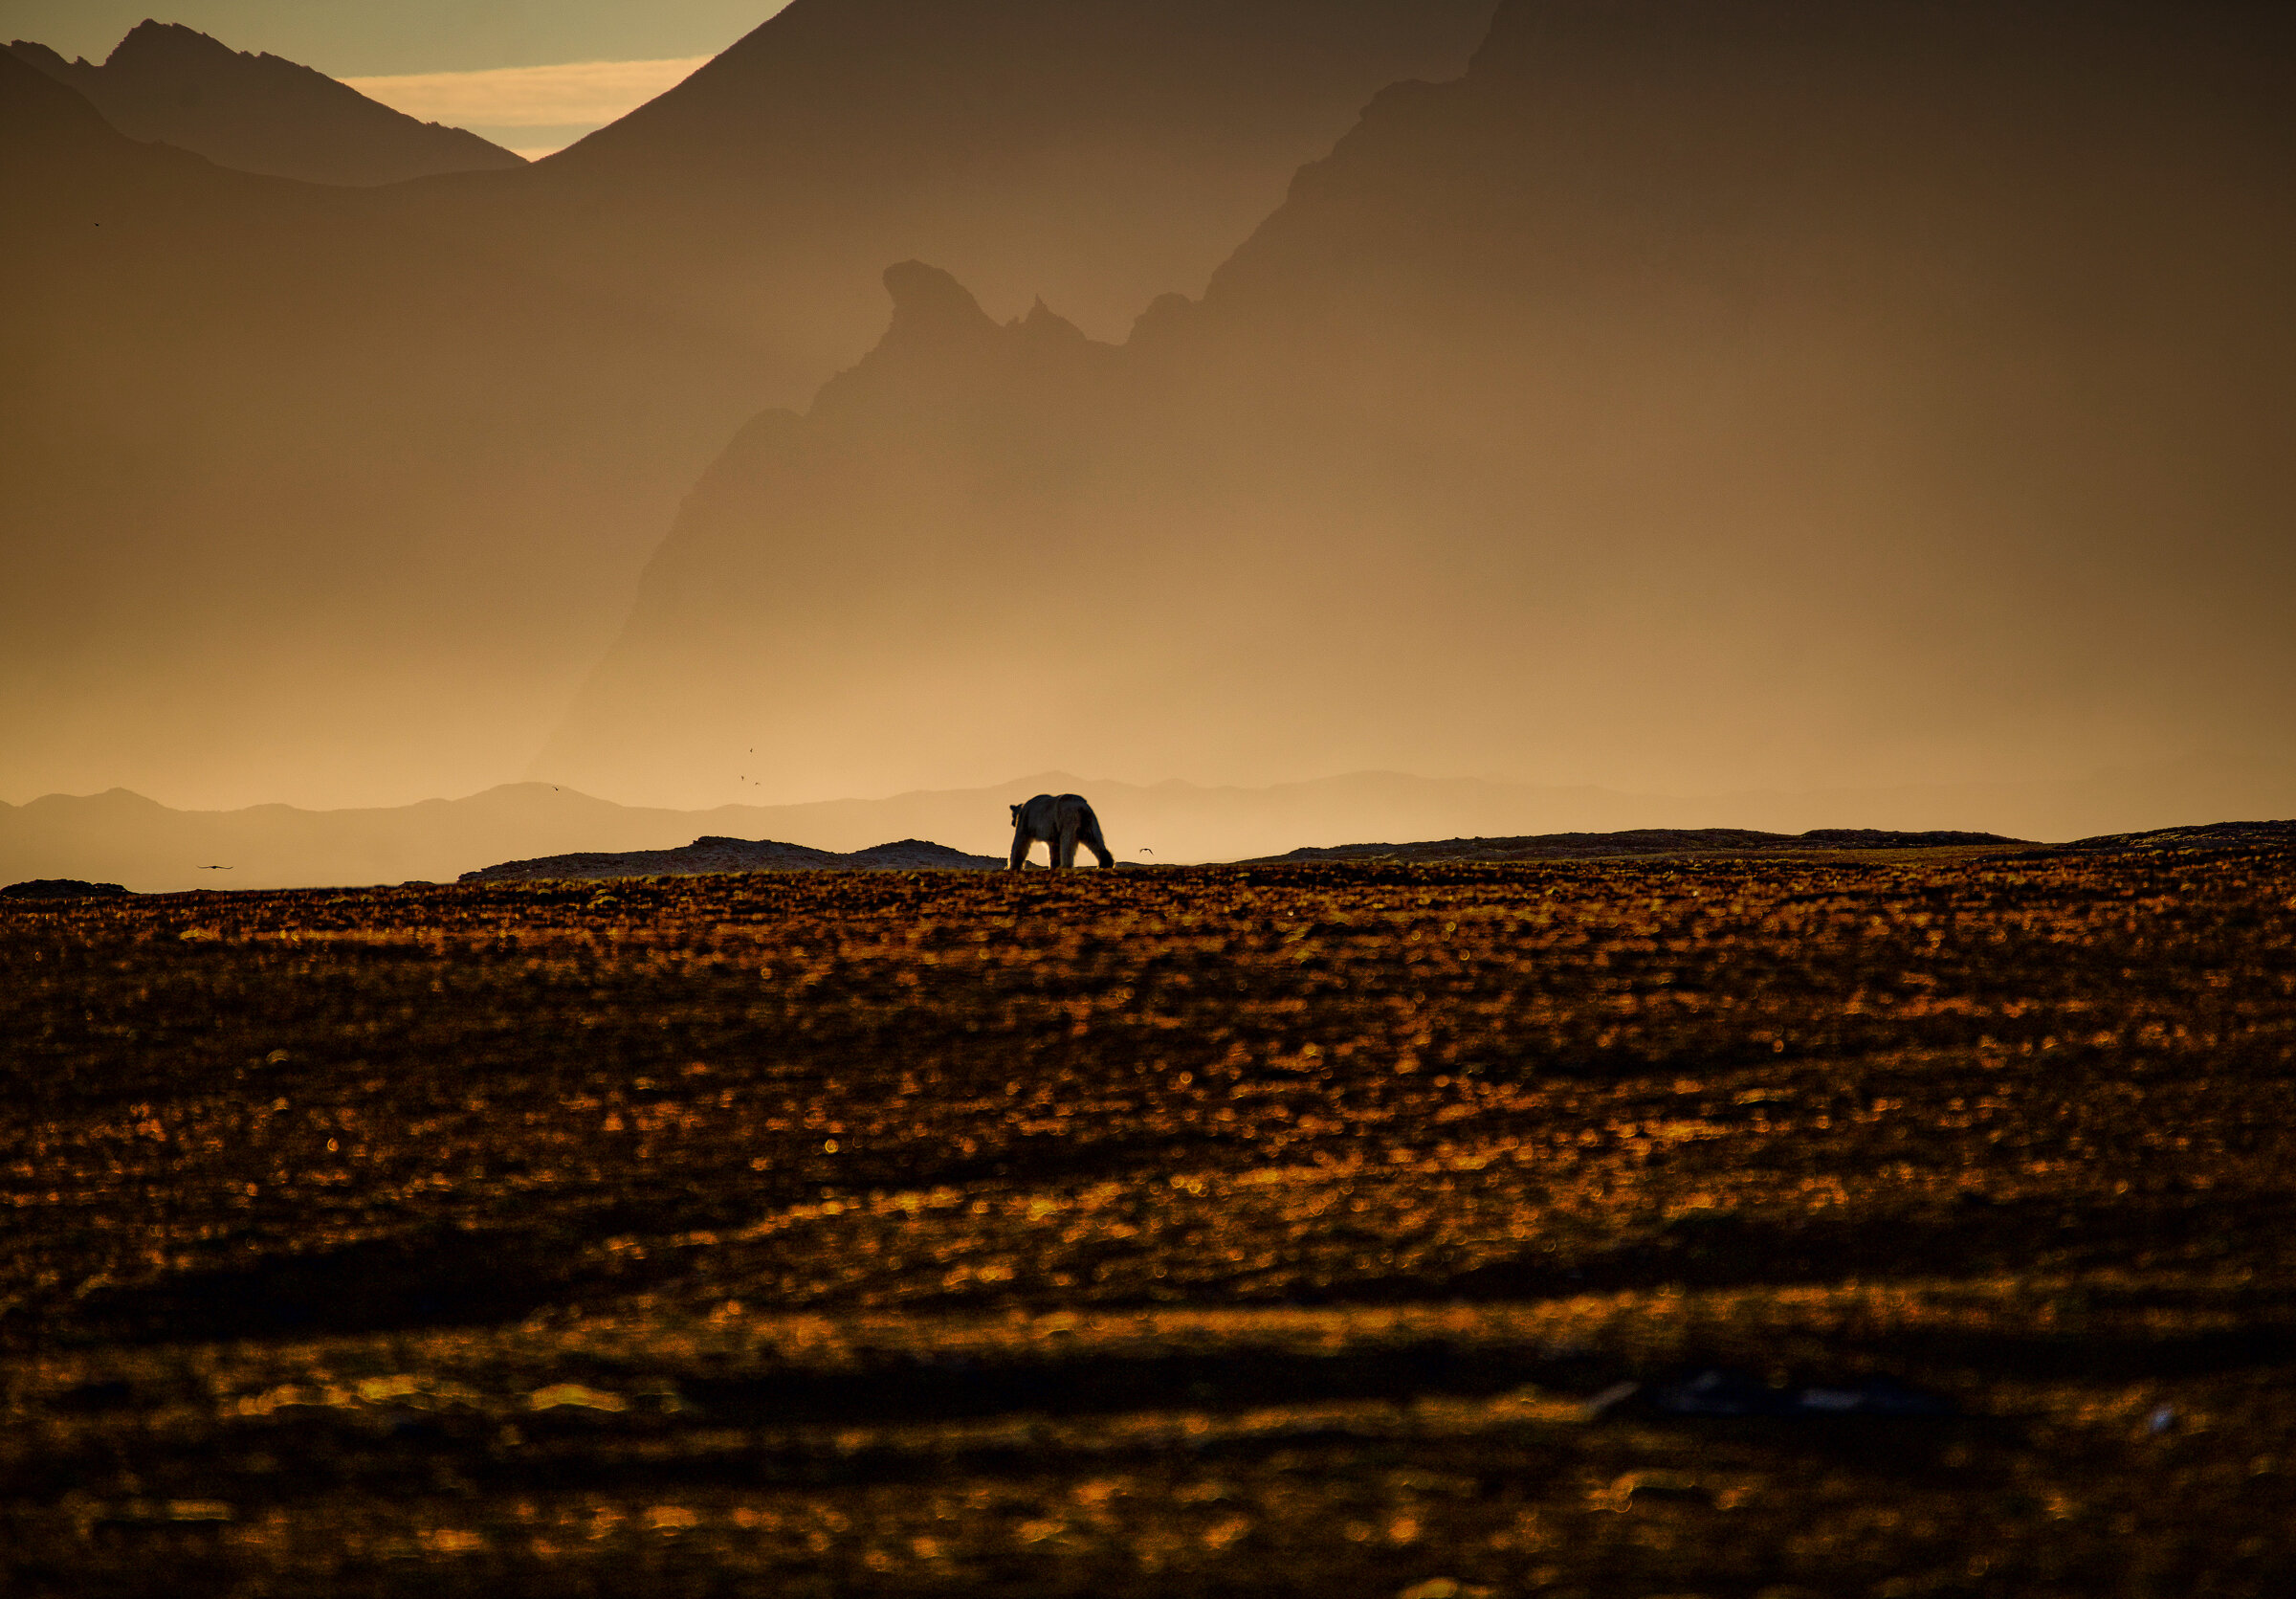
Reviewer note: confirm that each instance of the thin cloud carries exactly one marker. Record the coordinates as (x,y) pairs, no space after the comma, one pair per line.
(576,92)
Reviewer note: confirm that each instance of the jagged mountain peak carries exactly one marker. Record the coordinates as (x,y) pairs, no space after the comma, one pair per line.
(38,55)
(943,352)
(152,46)
(1046,324)
(931,308)
(37,103)
(170,84)
(151,40)
(929,304)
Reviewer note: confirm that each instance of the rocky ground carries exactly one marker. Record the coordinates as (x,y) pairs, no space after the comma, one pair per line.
(1757,1226)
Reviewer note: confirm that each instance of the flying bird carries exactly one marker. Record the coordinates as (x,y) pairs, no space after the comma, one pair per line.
(215,868)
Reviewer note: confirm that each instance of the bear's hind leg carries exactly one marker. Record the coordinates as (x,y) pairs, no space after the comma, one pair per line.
(1089,833)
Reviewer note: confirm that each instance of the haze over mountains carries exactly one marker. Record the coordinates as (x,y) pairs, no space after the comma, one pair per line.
(1097,154)
(1747,394)
(299,495)
(169,84)
(337,495)
(1777,392)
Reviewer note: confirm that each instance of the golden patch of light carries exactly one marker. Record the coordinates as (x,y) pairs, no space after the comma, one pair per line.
(573,91)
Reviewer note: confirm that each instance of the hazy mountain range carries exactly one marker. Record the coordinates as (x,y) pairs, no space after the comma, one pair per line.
(1712,396)
(1753,389)
(324,493)
(169,84)
(123,837)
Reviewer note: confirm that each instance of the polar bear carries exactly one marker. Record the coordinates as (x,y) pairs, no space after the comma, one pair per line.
(1063,821)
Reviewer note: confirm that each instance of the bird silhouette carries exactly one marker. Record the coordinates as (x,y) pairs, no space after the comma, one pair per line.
(215,868)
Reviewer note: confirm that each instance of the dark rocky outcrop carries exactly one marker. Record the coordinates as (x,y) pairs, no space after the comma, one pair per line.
(60,888)
(2213,836)
(1653,843)
(707,856)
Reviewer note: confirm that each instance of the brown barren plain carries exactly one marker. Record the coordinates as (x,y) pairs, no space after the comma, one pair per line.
(1206,1231)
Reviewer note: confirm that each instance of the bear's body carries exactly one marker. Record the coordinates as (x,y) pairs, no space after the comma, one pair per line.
(1063,821)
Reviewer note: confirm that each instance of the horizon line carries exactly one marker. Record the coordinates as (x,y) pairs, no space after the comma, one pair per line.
(2097,775)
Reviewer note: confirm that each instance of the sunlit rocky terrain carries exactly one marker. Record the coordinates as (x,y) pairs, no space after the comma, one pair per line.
(1911,1225)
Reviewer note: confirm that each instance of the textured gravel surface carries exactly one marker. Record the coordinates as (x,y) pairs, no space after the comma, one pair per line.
(1267,1231)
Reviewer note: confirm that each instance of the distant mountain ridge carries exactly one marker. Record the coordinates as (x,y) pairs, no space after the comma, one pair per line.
(277,460)
(1096,153)
(1706,387)
(530,828)
(355,481)
(170,84)
(1725,379)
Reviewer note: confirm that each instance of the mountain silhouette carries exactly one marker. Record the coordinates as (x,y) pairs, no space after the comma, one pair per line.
(1098,153)
(338,493)
(290,483)
(1713,394)
(170,84)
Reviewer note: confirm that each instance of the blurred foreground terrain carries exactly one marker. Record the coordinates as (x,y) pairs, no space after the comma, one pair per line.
(1260,1230)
